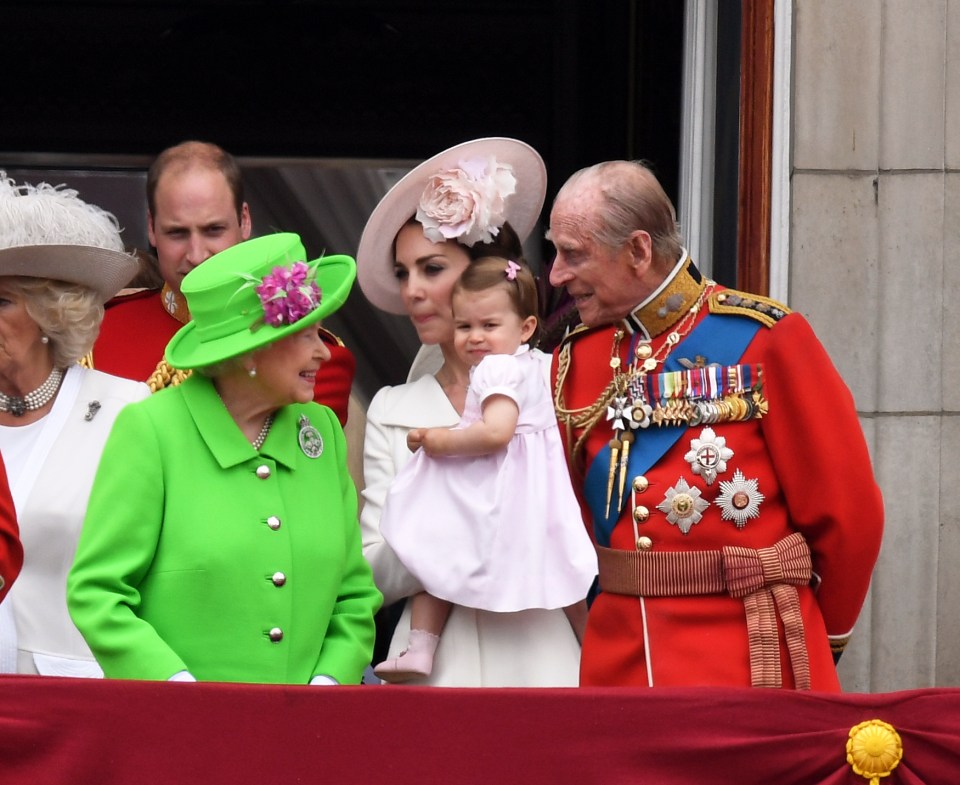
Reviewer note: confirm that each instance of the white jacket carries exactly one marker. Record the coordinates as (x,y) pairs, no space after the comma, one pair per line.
(51,517)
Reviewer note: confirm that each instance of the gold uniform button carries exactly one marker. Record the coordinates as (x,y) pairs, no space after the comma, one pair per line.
(263,472)
(279,579)
(273,522)
(276,634)
(640,483)
(644,543)
(641,513)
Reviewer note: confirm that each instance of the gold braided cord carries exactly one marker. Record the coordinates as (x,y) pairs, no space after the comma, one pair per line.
(585,418)
(164,376)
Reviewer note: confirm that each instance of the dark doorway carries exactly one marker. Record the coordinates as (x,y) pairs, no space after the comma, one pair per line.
(105,86)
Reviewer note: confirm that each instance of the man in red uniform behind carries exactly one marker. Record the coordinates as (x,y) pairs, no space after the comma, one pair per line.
(717,453)
(195,208)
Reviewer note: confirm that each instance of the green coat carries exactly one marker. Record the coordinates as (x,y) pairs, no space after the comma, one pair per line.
(182,565)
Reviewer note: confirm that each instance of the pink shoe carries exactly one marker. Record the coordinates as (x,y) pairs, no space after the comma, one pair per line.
(413,662)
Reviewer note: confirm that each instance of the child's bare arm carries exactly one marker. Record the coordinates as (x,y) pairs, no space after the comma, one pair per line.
(492,433)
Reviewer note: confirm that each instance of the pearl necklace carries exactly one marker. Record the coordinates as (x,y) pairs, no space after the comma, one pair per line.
(262,436)
(36,399)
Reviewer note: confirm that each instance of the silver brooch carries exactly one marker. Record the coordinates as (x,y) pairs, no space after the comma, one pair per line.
(708,455)
(311,442)
(683,505)
(739,499)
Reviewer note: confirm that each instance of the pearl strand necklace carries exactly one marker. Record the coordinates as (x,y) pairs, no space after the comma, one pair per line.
(33,400)
(264,430)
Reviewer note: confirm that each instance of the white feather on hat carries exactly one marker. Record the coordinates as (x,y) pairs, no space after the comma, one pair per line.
(48,231)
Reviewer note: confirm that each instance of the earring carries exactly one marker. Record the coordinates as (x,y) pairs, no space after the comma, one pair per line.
(252,371)
(44,339)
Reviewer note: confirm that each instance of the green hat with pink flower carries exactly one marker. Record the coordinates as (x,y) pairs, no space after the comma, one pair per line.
(255,293)
(465,194)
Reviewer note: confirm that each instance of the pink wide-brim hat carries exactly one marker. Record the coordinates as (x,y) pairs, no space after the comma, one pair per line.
(375,257)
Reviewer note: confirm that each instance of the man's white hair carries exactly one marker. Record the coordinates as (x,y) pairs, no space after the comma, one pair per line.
(45,214)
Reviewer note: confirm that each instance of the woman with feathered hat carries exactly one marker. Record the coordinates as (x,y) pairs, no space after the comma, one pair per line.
(221,542)
(60,260)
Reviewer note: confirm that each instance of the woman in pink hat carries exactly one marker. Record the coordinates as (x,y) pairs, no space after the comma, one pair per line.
(477,199)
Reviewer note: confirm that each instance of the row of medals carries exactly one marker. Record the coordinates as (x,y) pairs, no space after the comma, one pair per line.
(629,410)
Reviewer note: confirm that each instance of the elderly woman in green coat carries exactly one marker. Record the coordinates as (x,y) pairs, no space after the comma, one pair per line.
(221,541)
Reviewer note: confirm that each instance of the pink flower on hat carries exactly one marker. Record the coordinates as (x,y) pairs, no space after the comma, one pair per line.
(466,203)
(287,295)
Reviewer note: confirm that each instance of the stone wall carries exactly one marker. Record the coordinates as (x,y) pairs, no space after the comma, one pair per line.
(875,236)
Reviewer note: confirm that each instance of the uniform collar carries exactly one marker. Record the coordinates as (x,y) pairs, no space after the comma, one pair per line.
(175,304)
(669,303)
(221,434)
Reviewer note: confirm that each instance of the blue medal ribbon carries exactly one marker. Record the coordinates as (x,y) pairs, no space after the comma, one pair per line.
(722,338)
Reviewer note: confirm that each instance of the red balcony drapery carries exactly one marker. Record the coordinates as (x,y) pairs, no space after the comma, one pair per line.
(77,731)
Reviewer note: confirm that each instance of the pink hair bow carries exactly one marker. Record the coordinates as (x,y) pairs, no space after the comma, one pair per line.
(512,269)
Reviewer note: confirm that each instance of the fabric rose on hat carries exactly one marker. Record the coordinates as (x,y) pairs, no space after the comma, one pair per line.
(467,203)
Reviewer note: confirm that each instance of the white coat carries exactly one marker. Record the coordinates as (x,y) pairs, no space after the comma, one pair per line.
(61,461)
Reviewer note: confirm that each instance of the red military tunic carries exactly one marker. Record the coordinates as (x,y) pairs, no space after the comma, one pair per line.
(137,328)
(766,446)
(11,551)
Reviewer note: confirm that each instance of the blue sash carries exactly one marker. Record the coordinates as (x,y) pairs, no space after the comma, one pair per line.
(722,339)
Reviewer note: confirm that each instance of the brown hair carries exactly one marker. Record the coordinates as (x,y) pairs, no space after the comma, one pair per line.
(488,272)
(187,155)
(506,244)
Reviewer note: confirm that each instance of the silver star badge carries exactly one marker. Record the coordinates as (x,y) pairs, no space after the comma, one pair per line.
(739,499)
(683,505)
(708,455)
(620,413)
(170,302)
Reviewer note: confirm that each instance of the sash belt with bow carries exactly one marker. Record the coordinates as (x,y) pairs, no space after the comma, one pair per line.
(765,578)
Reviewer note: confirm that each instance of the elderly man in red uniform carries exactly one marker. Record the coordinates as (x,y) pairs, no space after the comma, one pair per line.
(195,208)
(718,456)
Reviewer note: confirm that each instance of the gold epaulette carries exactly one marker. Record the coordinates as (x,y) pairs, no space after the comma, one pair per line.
(163,375)
(763,309)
